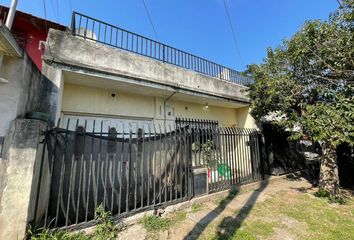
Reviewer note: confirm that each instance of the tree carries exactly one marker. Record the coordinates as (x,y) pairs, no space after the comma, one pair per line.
(308,82)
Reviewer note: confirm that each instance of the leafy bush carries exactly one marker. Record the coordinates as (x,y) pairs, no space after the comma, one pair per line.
(323,193)
(105,228)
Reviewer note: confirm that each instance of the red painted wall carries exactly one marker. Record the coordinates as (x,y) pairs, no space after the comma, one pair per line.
(33,35)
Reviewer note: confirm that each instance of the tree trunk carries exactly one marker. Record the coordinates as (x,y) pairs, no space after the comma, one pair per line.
(329,179)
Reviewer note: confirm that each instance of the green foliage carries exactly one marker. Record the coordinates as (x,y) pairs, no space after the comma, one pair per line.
(307,81)
(105,228)
(53,234)
(154,223)
(324,194)
(207,154)
(196,207)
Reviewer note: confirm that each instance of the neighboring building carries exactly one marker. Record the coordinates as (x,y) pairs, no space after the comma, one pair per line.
(24,89)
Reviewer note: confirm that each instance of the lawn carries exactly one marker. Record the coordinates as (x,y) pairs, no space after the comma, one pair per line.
(289,215)
(285,210)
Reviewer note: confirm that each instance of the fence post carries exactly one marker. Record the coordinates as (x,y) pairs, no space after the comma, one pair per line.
(262,154)
(163,52)
(73,23)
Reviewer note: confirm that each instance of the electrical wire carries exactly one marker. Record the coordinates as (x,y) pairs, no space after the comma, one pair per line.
(232,31)
(152,24)
(71,6)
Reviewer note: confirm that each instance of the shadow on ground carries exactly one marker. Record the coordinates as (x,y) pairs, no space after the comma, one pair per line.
(229,225)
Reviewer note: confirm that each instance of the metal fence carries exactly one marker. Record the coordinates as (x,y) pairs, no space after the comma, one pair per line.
(129,168)
(99,31)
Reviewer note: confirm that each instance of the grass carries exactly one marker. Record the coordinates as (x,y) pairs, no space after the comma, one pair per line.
(301,216)
(297,215)
(156,224)
(196,207)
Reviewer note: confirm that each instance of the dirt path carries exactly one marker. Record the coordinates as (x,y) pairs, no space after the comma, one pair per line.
(206,217)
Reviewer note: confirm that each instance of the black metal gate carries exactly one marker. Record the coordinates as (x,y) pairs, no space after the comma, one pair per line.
(131,168)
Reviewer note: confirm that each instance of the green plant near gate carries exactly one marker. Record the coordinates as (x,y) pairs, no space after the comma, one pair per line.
(104,230)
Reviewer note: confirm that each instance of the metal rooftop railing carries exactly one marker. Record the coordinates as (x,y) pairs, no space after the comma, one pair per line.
(98,31)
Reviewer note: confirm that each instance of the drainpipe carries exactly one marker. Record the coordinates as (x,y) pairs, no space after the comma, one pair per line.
(8,24)
(11,15)
(164,106)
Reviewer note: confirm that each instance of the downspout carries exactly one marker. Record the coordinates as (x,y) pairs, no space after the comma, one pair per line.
(8,24)
(164,106)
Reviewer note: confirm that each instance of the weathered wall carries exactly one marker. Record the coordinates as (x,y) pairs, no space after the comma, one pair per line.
(89,100)
(17,169)
(244,118)
(27,90)
(63,48)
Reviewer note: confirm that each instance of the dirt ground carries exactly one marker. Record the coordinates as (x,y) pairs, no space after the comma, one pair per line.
(283,209)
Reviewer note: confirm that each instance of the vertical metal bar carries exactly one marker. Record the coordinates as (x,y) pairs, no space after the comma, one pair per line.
(142,166)
(127,41)
(235,170)
(79,32)
(160,180)
(73,20)
(166,163)
(132,47)
(150,48)
(148,165)
(85,32)
(116,38)
(136,167)
(80,175)
(40,175)
(121,38)
(154,165)
(120,172)
(105,33)
(154,49)
(98,166)
(129,169)
(51,173)
(69,192)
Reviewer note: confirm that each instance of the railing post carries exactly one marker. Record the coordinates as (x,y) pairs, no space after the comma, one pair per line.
(262,154)
(73,23)
(163,52)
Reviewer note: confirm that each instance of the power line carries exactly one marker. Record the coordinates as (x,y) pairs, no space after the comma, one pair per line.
(71,6)
(232,30)
(152,24)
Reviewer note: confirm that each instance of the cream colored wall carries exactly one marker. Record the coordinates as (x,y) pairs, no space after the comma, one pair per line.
(83,99)
(89,100)
(244,118)
(225,116)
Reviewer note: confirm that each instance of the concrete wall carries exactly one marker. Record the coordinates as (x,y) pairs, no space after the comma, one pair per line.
(245,119)
(17,178)
(65,49)
(95,101)
(27,90)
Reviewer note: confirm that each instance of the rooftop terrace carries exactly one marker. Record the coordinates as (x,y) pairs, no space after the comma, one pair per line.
(105,33)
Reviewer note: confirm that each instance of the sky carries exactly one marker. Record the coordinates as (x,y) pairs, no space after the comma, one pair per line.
(200,27)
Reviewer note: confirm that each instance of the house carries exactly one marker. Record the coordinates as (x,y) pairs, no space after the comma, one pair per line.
(108,73)
(132,124)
